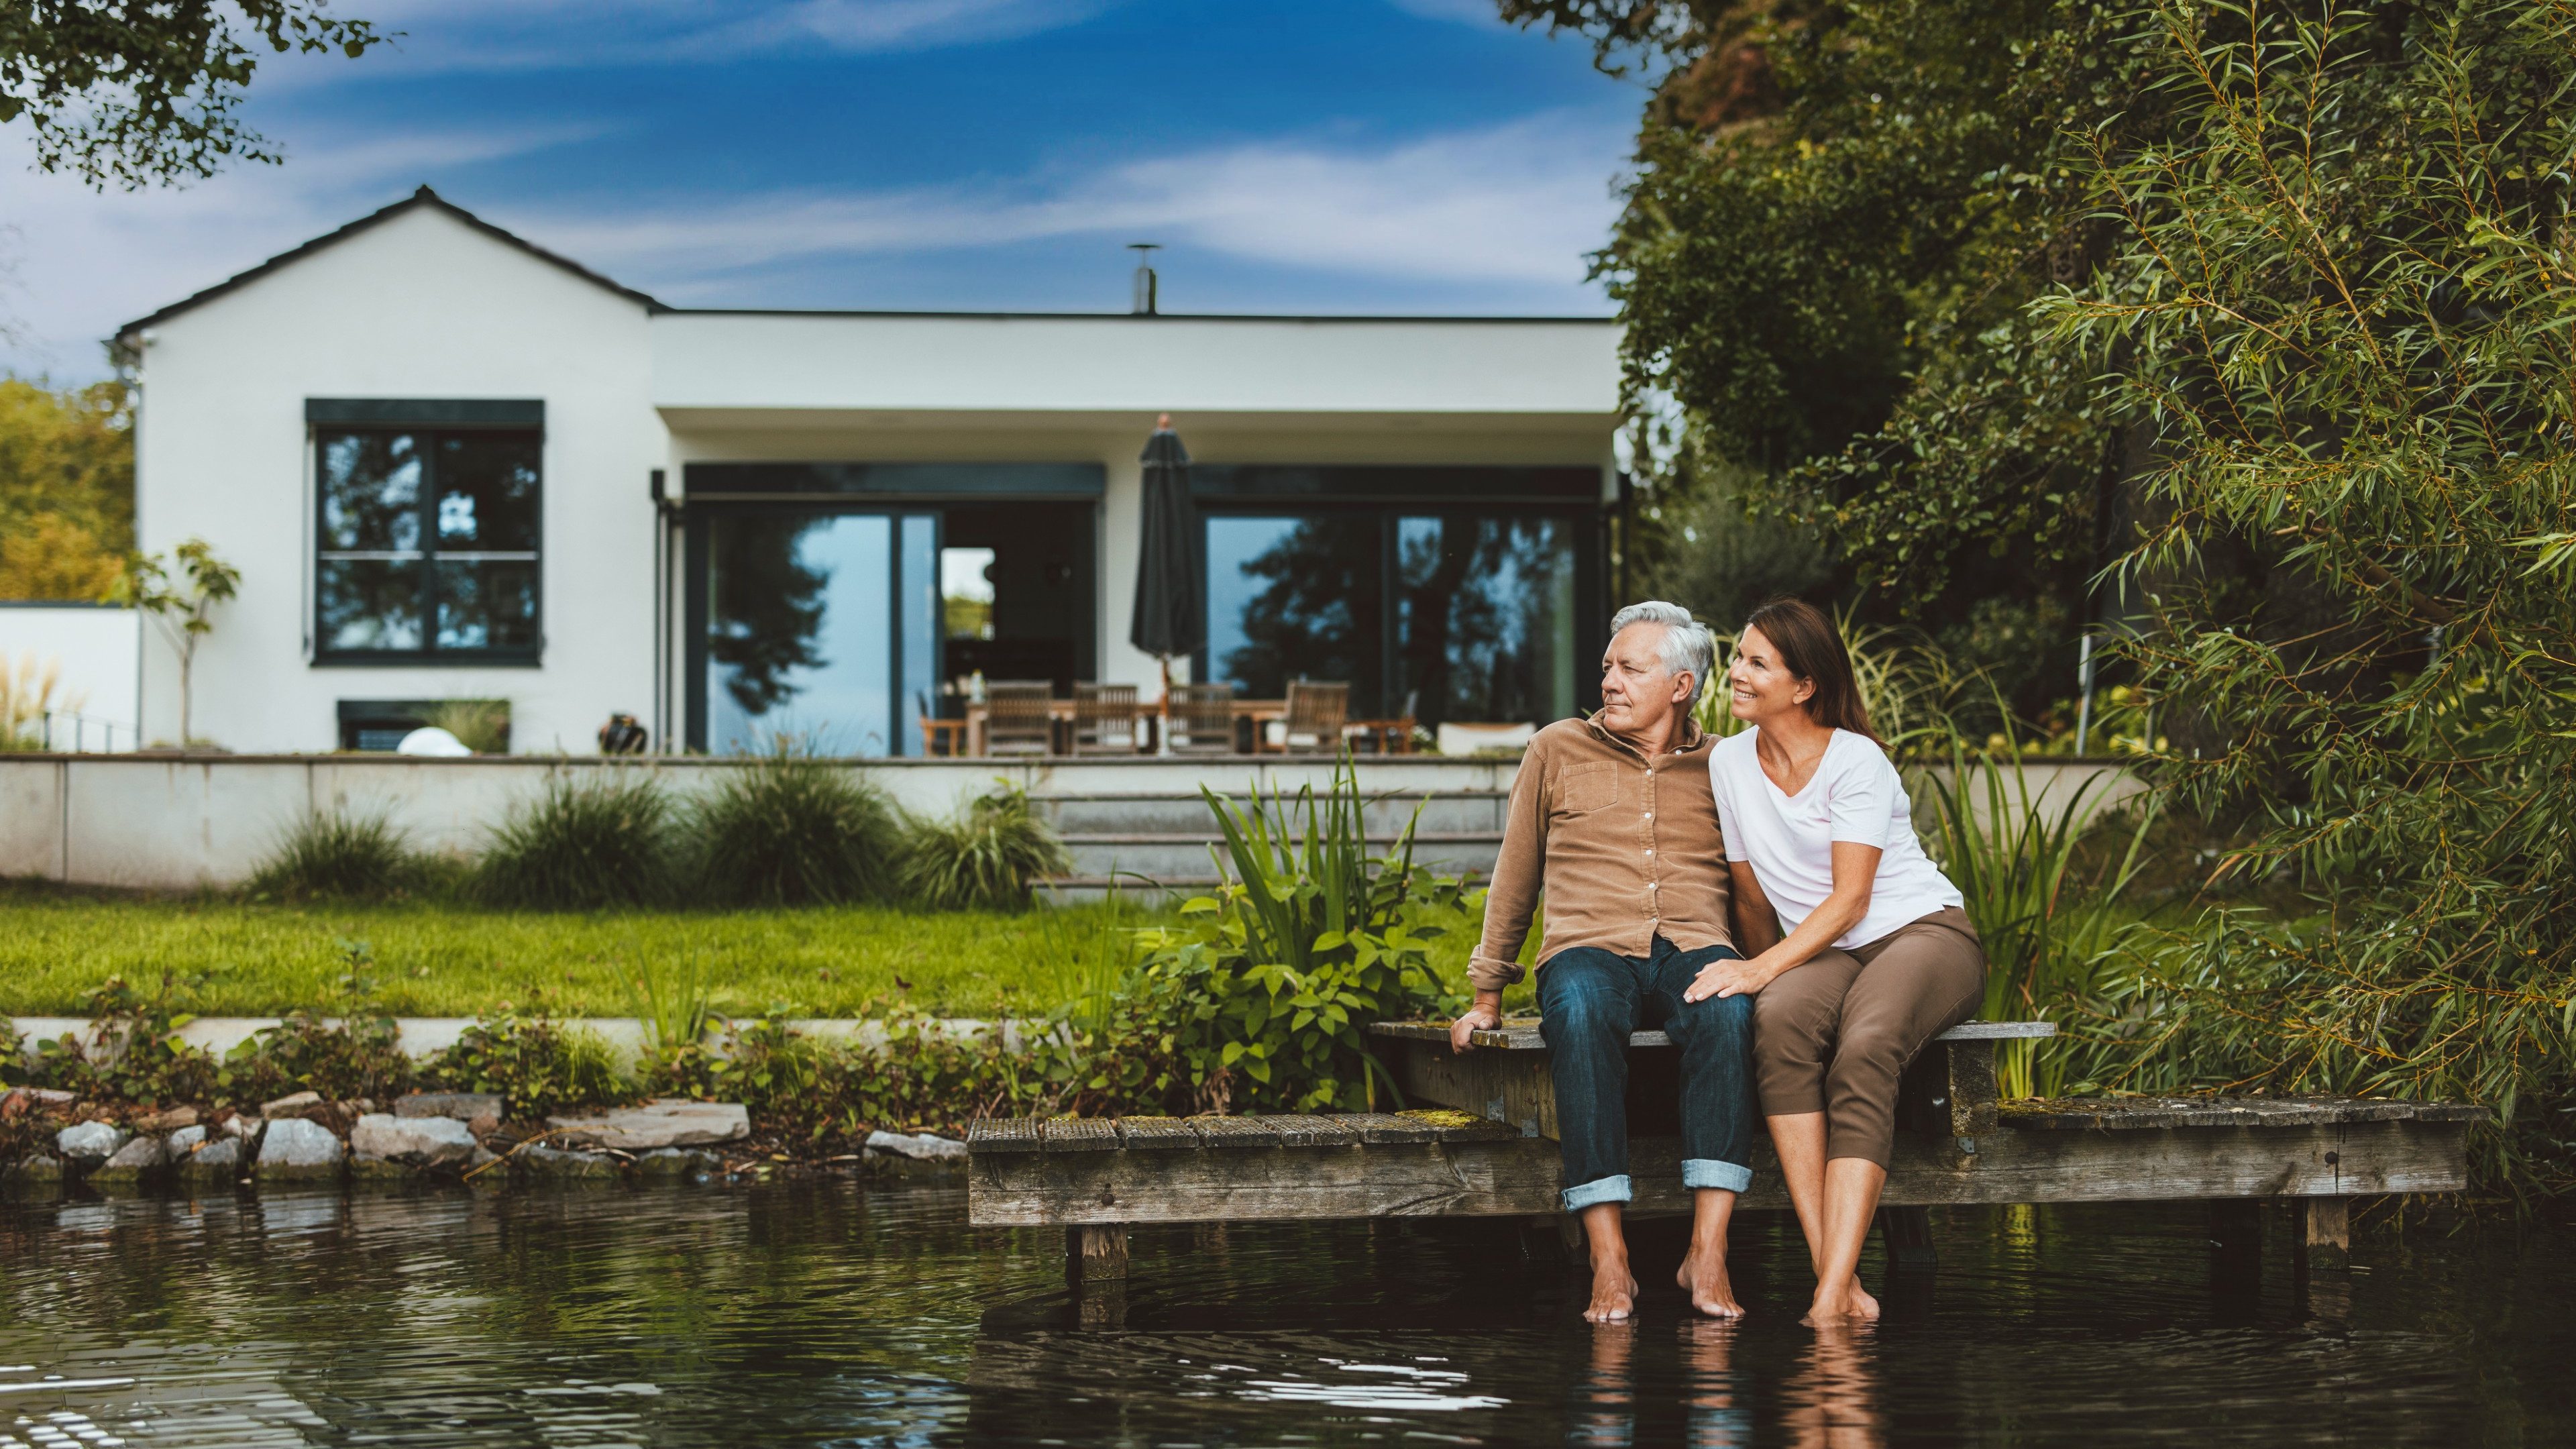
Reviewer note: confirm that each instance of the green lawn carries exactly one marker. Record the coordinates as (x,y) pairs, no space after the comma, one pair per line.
(229,958)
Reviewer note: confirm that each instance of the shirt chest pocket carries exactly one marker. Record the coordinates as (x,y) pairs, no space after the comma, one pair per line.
(1582,789)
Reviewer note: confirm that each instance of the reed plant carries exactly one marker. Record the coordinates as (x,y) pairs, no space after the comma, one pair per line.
(793,829)
(345,855)
(988,857)
(481,725)
(2047,927)
(586,842)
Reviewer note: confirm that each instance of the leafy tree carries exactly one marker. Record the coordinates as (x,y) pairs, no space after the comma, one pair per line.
(66,490)
(134,92)
(1840,215)
(2341,303)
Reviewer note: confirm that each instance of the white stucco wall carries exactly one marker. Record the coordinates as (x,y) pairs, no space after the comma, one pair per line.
(419,306)
(95,654)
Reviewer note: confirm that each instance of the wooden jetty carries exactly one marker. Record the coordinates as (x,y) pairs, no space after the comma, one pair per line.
(1485,1148)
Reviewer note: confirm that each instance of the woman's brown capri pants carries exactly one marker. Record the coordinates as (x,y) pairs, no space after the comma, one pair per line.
(1834,1034)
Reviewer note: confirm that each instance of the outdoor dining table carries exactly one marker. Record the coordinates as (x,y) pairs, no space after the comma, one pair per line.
(1060,715)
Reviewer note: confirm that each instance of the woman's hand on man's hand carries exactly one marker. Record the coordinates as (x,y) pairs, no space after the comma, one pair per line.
(1729,977)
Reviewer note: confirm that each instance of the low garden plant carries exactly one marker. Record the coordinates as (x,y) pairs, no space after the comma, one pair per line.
(989,857)
(343,855)
(1258,997)
(602,839)
(793,830)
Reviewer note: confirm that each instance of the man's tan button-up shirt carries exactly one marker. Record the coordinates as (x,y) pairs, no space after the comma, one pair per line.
(1622,848)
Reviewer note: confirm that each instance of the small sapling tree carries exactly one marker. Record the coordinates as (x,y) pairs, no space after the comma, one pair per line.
(180,598)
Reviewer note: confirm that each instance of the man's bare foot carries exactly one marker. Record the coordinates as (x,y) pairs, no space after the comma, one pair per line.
(1851,1305)
(1703,1277)
(1614,1292)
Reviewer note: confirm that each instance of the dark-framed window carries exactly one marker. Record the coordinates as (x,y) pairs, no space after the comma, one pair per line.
(428,533)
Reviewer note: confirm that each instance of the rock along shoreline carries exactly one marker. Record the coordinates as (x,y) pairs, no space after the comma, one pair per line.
(53,1144)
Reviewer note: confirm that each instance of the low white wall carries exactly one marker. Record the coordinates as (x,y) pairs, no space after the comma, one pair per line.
(176,823)
(98,654)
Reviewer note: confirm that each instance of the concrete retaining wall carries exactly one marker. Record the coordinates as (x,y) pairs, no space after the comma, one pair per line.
(180,822)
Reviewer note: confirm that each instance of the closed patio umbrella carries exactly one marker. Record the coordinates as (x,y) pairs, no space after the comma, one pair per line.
(1171,566)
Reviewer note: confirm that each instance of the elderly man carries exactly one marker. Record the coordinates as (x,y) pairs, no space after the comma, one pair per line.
(1612,823)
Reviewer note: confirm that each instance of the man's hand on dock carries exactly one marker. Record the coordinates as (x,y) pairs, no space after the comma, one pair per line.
(1485,1015)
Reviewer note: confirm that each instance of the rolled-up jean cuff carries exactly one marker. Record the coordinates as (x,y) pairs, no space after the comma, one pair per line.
(1613,1188)
(1709,1172)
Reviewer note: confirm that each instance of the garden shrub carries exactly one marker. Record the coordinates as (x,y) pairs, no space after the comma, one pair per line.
(919,1076)
(1259,999)
(988,857)
(344,856)
(584,843)
(537,1065)
(360,1056)
(134,1053)
(793,830)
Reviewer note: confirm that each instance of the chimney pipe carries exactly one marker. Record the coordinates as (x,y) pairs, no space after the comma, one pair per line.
(1144,305)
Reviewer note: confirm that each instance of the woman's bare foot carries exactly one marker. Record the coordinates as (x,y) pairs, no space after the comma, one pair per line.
(1614,1292)
(1850,1305)
(1703,1277)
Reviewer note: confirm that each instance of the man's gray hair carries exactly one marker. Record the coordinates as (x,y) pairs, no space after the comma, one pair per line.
(1687,647)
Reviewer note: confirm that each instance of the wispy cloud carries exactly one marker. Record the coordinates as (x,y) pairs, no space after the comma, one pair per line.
(1469,12)
(81,262)
(1512,207)
(464,35)
(1521,202)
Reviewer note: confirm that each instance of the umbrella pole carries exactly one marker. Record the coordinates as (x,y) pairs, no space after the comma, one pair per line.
(1163,734)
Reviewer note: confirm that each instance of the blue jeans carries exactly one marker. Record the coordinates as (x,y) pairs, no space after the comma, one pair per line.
(1589,1000)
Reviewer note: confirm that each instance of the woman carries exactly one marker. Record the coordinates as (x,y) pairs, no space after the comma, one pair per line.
(1878,957)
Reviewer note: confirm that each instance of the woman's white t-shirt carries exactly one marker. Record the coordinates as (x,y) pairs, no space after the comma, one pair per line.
(1855,795)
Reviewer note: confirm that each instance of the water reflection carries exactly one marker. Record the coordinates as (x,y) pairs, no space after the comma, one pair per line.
(841,1316)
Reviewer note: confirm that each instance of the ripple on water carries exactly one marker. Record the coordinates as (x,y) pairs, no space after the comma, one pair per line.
(841,1316)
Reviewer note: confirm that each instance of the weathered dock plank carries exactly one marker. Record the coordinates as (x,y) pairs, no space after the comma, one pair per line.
(1076,1134)
(1157,1134)
(1515,1176)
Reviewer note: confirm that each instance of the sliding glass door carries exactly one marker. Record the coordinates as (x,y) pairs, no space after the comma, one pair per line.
(820,628)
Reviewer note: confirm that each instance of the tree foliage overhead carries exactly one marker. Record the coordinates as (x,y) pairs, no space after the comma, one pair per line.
(134,92)
(1840,215)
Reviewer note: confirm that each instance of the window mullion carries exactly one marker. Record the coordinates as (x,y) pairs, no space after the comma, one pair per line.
(427,446)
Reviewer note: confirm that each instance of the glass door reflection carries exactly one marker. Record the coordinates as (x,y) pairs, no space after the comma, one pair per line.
(822,628)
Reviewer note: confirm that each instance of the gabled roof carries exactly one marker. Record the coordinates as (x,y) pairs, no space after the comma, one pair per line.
(423,197)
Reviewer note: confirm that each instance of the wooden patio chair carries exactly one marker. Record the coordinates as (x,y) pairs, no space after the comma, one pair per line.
(1104,719)
(1016,720)
(1317,710)
(1202,719)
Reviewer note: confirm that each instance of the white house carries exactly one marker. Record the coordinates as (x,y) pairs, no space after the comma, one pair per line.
(451,464)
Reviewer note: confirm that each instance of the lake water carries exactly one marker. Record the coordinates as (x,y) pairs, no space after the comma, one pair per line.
(844,1315)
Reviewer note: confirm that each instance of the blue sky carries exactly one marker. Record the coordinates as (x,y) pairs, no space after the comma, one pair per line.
(1312,156)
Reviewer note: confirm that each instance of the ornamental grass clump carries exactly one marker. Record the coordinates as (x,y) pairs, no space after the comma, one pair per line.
(589,842)
(790,829)
(989,857)
(340,855)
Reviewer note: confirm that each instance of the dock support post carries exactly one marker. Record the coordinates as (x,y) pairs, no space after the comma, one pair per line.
(1906,1234)
(2325,1234)
(1095,1254)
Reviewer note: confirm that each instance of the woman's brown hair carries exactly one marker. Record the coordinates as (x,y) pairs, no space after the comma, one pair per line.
(1811,648)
